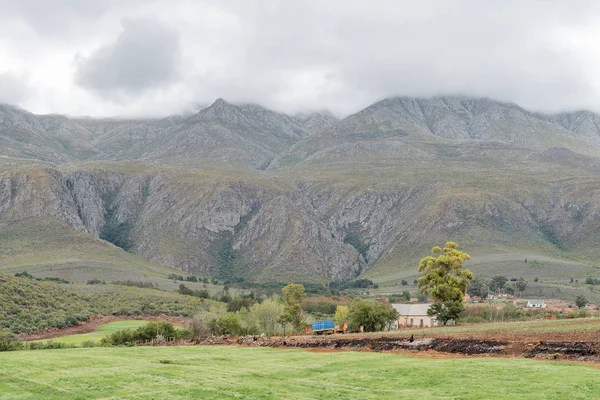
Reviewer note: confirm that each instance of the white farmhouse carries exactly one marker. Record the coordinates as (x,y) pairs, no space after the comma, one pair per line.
(536,304)
(415,315)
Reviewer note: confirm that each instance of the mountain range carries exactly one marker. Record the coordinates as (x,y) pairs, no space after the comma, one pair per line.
(241,191)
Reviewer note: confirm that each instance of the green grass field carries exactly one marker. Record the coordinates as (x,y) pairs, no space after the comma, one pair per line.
(253,373)
(103,331)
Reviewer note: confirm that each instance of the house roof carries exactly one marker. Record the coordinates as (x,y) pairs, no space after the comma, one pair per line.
(411,309)
(536,302)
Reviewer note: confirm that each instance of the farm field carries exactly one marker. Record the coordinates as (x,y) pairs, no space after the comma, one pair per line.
(103,331)
(228,372)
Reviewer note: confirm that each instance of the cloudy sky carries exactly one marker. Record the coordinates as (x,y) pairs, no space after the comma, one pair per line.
(158,57)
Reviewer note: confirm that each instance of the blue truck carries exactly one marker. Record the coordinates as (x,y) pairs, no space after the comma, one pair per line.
(323,327)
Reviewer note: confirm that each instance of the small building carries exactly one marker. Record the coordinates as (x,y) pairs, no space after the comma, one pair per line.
(536,304)
(415,315)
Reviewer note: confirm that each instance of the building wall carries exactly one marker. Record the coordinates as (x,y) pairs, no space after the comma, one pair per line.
(416,321)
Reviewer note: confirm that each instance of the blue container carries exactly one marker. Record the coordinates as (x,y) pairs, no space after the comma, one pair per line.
(323,326)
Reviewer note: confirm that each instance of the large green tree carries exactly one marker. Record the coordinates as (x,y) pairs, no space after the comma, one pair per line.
(293,296)
(371,315)
(444,279)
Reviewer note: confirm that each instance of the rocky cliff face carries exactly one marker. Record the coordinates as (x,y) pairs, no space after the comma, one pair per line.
(372,191)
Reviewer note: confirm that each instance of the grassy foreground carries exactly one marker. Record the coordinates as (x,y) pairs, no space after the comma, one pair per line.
(231,372)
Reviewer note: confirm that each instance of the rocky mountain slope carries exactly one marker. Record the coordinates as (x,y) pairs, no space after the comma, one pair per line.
(239,191)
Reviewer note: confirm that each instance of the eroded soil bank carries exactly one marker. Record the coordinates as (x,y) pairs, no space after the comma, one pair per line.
(580,351)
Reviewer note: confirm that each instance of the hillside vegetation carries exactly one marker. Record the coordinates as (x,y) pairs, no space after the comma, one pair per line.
(28,305)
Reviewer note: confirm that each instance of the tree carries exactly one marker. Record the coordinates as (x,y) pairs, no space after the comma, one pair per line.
(284,320)
(498,283)
(371,315)
(267,314)
(341,315)
(293,296)
(406,295)
(521,285)
(444,279)
(478,288)
(581,301)
(446,311)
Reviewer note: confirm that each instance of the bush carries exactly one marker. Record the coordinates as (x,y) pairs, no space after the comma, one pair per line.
(8,342)
(150,331)
(48,345)
(229,324)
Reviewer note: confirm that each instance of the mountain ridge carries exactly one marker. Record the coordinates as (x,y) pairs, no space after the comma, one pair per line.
(240,191)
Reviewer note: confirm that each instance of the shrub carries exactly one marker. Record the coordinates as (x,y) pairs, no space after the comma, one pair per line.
(229,324)
(150,331)
(8,342)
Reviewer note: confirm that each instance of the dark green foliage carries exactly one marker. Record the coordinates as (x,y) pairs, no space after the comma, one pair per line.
(96,282)
(592,281)
(498,283)
(353,239)
(581,301)
(175,277)
(227,257)
(146,333)
(478,288)
(140,284)
(550,235)
(446,311)
(354,284)
(118,234)
(404,282)
(204,294)
(185,290)
(371,315)
(239,302)
(191,278)
(27,275)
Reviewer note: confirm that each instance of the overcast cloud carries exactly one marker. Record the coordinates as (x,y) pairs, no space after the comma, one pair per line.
(157,57)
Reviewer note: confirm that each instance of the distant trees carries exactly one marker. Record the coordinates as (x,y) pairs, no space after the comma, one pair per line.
(444,279)
(521,285)
(581,301)
(498,283)
(478,288)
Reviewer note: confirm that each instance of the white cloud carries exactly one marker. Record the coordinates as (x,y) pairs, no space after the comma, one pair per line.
(293,56)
